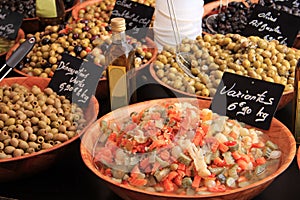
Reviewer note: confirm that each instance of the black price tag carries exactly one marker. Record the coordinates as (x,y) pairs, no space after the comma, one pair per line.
(10,23)
(271,24)
(138,17)
(288,3)
(246,99)
(76,79)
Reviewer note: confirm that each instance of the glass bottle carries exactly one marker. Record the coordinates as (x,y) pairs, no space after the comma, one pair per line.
(50,12)
(296,104)
(120,70)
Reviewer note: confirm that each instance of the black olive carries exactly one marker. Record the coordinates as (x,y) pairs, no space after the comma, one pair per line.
(78,49)
(86,28)
(75,36)
(85,21)
(46,41)
(61,34)
(26,60)
(139,55)
(108,28)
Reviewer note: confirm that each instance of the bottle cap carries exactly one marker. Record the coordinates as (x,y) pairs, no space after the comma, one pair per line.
(118,24)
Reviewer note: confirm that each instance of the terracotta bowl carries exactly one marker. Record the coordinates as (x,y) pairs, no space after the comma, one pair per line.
(20,35)
(286,97)
(278,133)
(24,166)
(31,25)
(298,157)
(297,42)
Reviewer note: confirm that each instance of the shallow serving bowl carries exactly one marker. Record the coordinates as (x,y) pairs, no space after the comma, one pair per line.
(278,134)
(286,97)
(24,166)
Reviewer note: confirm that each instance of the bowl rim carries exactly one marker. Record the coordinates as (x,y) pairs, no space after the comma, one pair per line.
(21,35)
(93,102)
(298,157)
(154,76)
(268,179)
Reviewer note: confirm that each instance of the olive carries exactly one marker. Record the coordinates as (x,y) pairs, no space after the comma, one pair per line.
(26,127)
(46,40)
(230,53)
(78,49)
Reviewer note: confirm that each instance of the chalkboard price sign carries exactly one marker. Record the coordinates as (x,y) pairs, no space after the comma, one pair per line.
(76,79)
(138,17)
(272,24)
(246,99)
(10,23)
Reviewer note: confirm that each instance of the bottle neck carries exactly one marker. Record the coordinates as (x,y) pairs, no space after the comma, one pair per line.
(118,37)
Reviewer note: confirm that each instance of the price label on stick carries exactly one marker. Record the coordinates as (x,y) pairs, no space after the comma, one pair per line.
(272,24)
(138,17)
(10,23)
(76,79)
(246,99)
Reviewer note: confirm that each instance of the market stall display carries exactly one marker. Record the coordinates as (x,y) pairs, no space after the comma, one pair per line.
(233,16)
(209,56)
(79,38)
(87,35)
(37,126)
(99,140)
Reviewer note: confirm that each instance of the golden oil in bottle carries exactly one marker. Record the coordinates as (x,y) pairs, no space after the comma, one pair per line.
(120,67)
(296,104)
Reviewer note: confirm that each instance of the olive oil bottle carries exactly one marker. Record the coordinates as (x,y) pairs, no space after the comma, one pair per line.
(120,70)
(50,12)
(296,104)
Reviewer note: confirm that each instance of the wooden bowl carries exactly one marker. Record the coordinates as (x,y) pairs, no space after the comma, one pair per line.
(20,35)
(278,133)
(24,166)
(286,97)
(32,25)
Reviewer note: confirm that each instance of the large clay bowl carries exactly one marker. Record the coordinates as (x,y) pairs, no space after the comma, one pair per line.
(20,35)
(24,166)
(286,97)
(278,133)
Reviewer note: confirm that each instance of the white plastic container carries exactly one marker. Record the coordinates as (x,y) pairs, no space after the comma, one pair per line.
(189,20)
